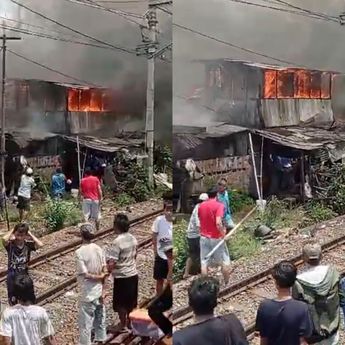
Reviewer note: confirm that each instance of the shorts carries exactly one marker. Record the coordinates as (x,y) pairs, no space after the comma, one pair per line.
(11,276)
(91,210)
(160,268)
(23,203)
(125,294)
(220,257)
(194,248)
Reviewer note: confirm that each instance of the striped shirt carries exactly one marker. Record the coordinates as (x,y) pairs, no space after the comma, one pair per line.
(123,251)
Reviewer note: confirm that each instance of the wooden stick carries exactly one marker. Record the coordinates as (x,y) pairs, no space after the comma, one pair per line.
(230,233)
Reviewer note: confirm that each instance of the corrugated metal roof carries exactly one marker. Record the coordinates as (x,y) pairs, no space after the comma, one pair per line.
(105,145)
(262,65)
(303,138)
(214,130)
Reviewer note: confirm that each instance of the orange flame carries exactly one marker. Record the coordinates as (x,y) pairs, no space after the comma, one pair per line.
(73,100)
(297,83)
(92,100)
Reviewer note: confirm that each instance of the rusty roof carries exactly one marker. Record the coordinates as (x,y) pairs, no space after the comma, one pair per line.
(264,65)
(303,138)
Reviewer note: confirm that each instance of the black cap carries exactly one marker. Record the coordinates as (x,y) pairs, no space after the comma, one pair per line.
(213,190)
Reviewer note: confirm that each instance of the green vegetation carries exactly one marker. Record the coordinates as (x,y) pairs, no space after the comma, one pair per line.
(239,201)
(60,213)
(180,248)
(243,244)
(123,199)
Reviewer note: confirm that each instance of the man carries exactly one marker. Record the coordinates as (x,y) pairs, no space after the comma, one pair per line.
(19,243)
(318,286)
(209,329)
(24,193)
(283,320)
(91,192)
(25,323)
(162,233)
(193,238)
(212,231)
(164,301)
(92,272)
(223,197)
(121,260)
(58,184)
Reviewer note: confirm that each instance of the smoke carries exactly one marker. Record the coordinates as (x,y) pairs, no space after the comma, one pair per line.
(104,67)
(301,40)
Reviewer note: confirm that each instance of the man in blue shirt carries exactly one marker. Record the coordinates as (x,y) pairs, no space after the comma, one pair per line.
(58,184)
(223,197)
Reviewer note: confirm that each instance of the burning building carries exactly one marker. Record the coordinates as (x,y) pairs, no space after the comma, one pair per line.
(257,95)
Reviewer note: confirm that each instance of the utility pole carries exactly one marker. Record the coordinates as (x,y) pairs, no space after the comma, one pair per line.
(149,48)
(4,39)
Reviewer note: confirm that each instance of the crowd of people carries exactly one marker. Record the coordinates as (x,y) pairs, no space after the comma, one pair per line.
(25,323)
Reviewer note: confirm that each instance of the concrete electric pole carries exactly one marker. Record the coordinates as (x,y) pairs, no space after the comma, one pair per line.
(4,39)
(149,48)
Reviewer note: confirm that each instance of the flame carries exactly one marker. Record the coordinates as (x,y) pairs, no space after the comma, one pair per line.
(297,83)
(270,84)
(93,100)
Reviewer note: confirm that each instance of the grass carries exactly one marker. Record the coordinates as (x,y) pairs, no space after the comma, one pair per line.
(243,245)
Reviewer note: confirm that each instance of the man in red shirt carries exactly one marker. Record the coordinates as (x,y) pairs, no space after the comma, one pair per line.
(91,191)
(212,231)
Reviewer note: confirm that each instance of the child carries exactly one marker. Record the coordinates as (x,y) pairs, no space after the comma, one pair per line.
(19,243)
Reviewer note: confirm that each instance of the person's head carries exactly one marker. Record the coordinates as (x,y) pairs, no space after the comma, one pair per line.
(20,232)
(88,171)
(87,232)
(212,192)
(59,170)
(121,223)
(284,275)
(312,254)
(168,205)
(23,288)
(203,295)
(222,184)
(29,172)
(202,197)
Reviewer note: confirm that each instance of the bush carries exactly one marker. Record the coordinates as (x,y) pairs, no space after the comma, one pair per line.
(180,248)
(162,159)
(59,213)
(316,212)
(124,199)
(239,201)
(274,211)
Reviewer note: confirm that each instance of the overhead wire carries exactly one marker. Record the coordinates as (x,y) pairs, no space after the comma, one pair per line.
(235,45)
(49,68)
(163,9)
(72,29)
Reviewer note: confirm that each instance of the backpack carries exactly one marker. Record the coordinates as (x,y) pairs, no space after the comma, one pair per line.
(323,305)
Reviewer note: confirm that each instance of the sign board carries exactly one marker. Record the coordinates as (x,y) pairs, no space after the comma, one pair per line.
(43,162)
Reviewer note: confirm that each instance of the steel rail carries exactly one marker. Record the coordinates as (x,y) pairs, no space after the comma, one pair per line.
(184,313)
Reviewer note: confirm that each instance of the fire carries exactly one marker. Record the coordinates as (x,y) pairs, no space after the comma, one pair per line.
(297,83)
(92,100)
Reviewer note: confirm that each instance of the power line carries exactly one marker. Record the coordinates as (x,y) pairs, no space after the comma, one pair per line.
(50,68)
(163,9)
(73,30)
(124,1)
(303,14)
(235,46)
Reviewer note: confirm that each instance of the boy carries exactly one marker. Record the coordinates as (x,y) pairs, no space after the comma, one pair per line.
(121,258)
(19,249)
(162,233)
(26,323)
(92,272)
(283,320)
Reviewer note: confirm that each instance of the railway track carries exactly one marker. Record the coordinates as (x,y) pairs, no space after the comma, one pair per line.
(244,297)
(54,273)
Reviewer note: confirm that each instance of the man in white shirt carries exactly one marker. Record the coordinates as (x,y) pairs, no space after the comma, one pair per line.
(24,193)
(92,272)
(24,323)
(162,233)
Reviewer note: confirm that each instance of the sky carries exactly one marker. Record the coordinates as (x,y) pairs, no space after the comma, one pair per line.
(318,44)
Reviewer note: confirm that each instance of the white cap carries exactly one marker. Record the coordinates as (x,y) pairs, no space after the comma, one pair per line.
(29,171)
(203,197)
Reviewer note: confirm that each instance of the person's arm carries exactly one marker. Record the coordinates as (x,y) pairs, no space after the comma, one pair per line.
(38,243)
(47,331)
(306,326)
(260,326)
(49,340)
(154,236)
(82,271)
(219,219)
(100,193)
(170,270)
(6,330)
(7,237)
